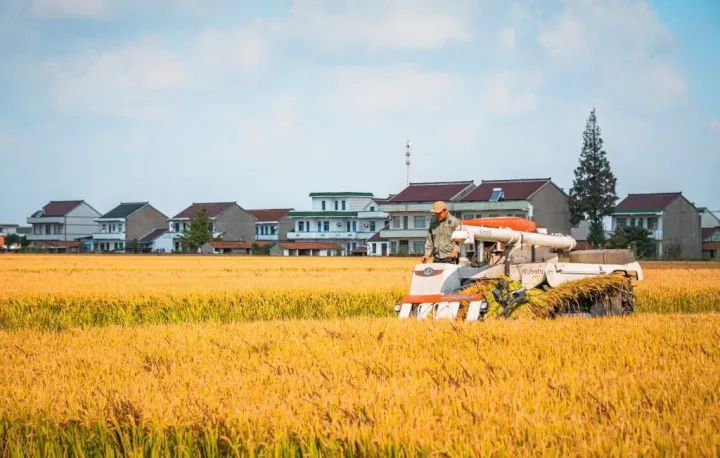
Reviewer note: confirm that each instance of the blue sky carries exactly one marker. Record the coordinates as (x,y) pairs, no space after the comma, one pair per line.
(175,101)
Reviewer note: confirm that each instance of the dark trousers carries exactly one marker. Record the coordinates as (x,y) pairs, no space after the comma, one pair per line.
(445,260)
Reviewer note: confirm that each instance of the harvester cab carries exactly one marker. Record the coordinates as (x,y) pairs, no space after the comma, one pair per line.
(504,250)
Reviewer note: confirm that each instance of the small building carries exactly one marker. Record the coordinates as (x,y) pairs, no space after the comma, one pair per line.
(230,222)
(156,241)
(711,243)
(122,228)
(272,224)
(62,221)
(673,222)
(8,229)
(377,245)
(59,246)
(347,219)
(305,249)
(224,247)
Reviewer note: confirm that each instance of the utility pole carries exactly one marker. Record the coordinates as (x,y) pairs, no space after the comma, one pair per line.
(407,160)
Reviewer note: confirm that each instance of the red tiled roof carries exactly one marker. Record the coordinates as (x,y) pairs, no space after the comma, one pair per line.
(360,250)
(711,246)
(430,192)
(656,201)
(60,207)
(231,245)
(56,244)
(213,209)
(512,189)
(308,245)
(270,214)
(708,231)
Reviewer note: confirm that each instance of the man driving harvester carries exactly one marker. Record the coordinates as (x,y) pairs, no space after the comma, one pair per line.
(439,245)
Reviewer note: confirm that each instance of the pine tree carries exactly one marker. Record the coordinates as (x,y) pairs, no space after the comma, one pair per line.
(592,196)
(199,233)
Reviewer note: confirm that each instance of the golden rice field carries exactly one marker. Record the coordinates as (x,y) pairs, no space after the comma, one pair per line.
(207,356)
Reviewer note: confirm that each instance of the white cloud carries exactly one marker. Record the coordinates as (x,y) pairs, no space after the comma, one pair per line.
(378,25)
(565,38)
(714,124)
(70,8)
(126,81)
(507,37)
(389,89)
(510,94)
(234,50)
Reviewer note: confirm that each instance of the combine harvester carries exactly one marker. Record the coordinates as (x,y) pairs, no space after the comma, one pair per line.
(502,252)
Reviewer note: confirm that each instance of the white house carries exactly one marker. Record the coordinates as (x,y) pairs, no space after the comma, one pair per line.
(60,225)
(127,223)
(272,224)
(378,245)
(8,229)
(347,219)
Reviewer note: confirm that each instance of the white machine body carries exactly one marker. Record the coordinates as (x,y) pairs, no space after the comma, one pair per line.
(523,256)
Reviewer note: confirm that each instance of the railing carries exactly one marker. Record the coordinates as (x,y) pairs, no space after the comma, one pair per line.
(330,235)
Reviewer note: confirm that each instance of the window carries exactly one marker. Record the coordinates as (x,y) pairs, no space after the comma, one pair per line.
(354,226)
(372,248)
(420,222)
(640,222)
(372,208)
(652,223)
(418,247)
(396,222)
(323,205)
(343,205)
(620,222)
(632,222)
(120,227)
(257,230)
(122,245)
(336,205)
(273,230)
(301,226)
(326,226)
(104,228)
(393,246)
(319,224)
(372,226)
(347,226)
(494,215)
(307,226)
(47,229)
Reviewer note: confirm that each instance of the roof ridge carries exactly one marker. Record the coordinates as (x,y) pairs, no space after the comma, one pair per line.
(439,182)
(655,193)
(516,180)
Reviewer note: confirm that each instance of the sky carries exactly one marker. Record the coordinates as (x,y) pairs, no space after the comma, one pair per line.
(263,102)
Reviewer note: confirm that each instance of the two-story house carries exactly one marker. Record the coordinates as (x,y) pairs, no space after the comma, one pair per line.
(409,213)
(346,219)
(537,199)
(673,222)
(230,222)
(8,229)
(272,224)
(128,223)
(60,225)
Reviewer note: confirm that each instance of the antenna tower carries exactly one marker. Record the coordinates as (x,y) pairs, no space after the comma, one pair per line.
(407,160)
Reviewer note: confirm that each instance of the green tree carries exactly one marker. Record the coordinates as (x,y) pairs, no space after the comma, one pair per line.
(199,233)
(637,239)
(592,196)
(261,250)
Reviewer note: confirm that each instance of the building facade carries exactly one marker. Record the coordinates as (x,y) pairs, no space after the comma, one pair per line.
(230,222)
(345,219)
(128,223)
(305,249)
(673,222)
(711,243)
(61,225)
(8,229)
(272,224)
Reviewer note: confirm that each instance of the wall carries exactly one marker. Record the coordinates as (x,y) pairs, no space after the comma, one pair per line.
(80,222)
(144,221)
(681,224)
(551,210)
(709,219)
(285,225)
(236,224)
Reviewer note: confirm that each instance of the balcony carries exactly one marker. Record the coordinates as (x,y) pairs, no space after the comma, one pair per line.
(109,236)
(46,220)
(404,233)
(329,235)
(266,237)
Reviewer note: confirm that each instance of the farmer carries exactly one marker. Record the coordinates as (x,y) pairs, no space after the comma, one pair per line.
(439,245)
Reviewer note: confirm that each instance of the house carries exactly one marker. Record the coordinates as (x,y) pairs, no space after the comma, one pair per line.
(223,247)
(230,221)
(673,222)
(378,245)
(711,243)
(409,213)
(272,224)
(8,229)
(305,249)
(708,218)
(157,241)
(537,199)
(347,219)
(121,228)
(59,225)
